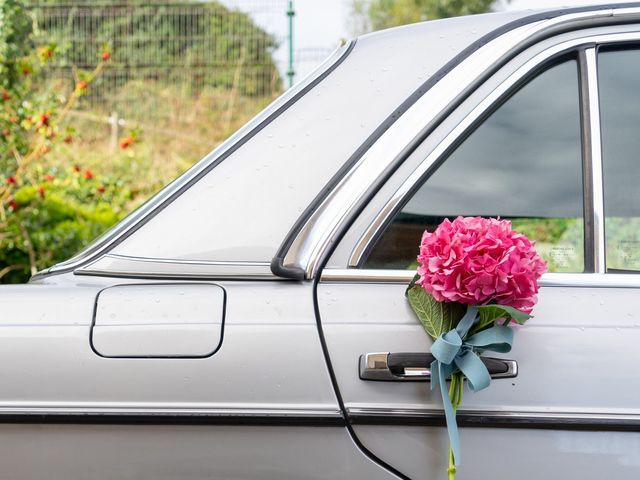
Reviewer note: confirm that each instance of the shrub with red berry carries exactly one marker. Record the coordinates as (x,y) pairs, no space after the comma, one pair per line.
(47,211)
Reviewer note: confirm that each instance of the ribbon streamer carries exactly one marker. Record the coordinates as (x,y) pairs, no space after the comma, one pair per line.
(455,353)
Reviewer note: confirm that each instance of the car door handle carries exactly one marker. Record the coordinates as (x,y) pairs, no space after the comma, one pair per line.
(400,367)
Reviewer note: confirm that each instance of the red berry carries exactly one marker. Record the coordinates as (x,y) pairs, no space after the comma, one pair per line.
(13,205)
(126,142)
(101,189)
(82,85)
(88,174)
(43,120)
(41,191)
(11,180)
(49,178)
(106,55)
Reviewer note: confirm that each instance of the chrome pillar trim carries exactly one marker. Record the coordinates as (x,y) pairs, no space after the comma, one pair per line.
(320,231)
(597,188)
(632,12)
(403,277)
(122,230)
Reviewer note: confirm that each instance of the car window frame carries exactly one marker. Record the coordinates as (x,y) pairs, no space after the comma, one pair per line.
(634,46)
(578,56)
(586,48)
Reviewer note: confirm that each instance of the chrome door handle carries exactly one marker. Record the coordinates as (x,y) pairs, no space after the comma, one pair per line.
(414,367)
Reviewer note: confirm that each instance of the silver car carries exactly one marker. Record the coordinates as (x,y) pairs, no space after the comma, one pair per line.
(249,321)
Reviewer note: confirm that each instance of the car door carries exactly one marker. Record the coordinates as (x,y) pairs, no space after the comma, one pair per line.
(531,151)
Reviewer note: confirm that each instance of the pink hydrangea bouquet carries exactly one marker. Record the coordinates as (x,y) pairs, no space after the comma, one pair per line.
(475,277)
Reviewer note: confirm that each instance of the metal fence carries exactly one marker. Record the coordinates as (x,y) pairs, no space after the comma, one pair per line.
(162,51)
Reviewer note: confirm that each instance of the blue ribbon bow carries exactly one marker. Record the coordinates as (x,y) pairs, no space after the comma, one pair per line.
(453,352)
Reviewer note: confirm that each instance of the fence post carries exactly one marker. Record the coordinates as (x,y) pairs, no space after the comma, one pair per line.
(114,121)
(290,13)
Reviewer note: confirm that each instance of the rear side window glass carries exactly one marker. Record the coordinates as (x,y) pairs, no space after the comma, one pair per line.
(619,85)
(523,163)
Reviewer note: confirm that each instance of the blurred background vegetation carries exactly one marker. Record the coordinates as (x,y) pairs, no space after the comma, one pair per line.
(104,102)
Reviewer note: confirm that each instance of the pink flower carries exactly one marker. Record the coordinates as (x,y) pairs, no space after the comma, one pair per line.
(476,260)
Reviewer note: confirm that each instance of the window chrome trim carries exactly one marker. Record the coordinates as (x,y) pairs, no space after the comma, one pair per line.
(371,234)
(403,277)
(597,188)
(114,265)
(315,239)
(176,188)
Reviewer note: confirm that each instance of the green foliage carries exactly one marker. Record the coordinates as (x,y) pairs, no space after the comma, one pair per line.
(50,222)
(46,213)
(15,28)
(491,313)
(559,241)
(192,42)
(374,15)
(440,317)
(436,317)
(52,204)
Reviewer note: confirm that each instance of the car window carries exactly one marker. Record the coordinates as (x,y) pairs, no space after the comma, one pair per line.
(619,78)
(523,163)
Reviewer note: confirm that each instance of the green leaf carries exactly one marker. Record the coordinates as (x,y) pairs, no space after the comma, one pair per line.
(491,313)
(436,317)
(412,283)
